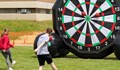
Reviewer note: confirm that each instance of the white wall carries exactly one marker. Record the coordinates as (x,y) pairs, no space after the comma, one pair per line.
(37,17)
(44,17)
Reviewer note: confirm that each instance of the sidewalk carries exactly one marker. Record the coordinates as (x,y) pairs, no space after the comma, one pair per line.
(26,45)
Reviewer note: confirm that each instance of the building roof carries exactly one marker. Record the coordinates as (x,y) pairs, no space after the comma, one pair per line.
(51,1)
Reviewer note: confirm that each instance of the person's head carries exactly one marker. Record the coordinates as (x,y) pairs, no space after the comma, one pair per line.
(5,31)
(49,30)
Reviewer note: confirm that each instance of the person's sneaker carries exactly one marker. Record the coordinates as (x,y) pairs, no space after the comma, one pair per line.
(10,68)
(14,62)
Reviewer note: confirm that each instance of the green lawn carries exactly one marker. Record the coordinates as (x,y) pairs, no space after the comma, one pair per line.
(26,60)
(24,25)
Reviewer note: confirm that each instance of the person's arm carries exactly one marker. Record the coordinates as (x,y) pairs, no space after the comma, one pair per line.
(11,45)
(46,39)
(39,46)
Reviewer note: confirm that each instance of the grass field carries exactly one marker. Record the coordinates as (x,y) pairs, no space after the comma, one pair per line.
(24,27)
(26,60)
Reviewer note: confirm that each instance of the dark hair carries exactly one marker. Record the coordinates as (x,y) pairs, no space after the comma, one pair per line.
(5,31)
(49,30)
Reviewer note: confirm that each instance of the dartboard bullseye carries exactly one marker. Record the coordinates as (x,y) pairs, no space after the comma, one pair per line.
(88,27)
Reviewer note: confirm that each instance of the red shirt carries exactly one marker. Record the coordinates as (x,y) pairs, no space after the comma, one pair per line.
(5,43)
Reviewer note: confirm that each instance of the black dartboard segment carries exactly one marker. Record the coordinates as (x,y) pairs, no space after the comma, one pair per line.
(88,27)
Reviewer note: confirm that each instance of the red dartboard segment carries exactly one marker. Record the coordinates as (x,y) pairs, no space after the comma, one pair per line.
(113,10)
(97,31)
(113,27)
(88,45)
(73,24)
(73,40)
(87,2)
(102,14)
(102,24)
(79,31)
(88,34)
(73,13)
(78,6)
(97,6)
(103,40)
(64,27)
(64,9)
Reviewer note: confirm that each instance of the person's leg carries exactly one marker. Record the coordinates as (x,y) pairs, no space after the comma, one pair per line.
(10,57)
(40,67)
(53,66)
(49,60)
(41,61)
(6,56)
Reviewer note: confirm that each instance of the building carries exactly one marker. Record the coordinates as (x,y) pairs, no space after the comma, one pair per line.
(26,9)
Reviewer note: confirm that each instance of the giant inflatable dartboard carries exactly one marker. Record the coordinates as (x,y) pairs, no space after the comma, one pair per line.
(88,27)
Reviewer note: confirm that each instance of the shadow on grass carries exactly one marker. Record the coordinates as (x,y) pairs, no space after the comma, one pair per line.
(70,56)
(34,56)
(75,57)
(111,58)
(67,56)
(3,68)
(106,58)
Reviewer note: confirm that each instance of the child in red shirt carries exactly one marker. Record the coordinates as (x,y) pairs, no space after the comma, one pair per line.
(5,48)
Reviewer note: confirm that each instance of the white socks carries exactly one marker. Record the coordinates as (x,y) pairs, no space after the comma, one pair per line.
(10,68)
(14,62)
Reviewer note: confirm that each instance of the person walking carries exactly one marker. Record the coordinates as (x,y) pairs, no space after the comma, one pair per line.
(42,50)
(5,48)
